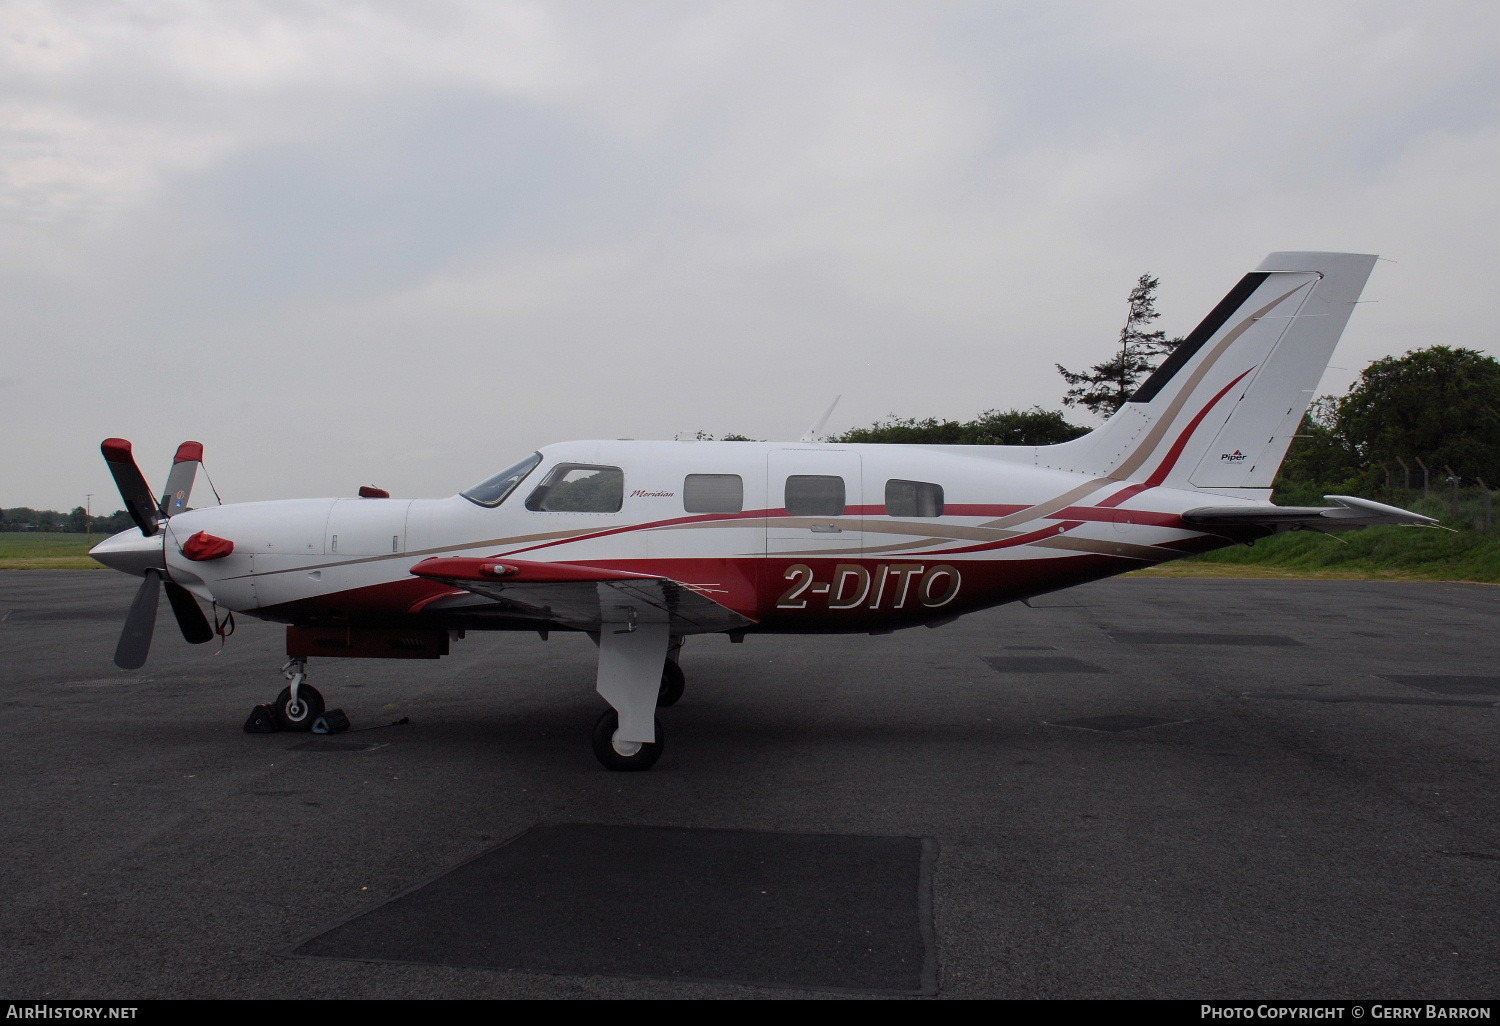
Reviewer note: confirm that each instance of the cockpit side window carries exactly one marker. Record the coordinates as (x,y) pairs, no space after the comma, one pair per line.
(492,492)
(579,488)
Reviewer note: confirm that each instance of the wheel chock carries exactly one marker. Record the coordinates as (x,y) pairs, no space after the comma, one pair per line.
(331,722)
(262,721)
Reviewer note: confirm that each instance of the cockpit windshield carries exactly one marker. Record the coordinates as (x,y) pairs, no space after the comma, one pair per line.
(492,492)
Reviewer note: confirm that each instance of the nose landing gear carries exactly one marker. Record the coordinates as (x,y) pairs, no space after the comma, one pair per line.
(299,705)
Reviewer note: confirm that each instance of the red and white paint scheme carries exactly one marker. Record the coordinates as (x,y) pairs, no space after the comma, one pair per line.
(642,544)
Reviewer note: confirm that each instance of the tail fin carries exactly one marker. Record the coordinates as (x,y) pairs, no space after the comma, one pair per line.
(1221,410)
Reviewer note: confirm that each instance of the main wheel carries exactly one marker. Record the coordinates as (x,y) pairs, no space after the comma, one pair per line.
(672,684)
(302,715)
(623,755)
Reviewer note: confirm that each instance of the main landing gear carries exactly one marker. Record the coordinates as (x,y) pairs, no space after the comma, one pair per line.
(638,673)
(617,754)
(299,705)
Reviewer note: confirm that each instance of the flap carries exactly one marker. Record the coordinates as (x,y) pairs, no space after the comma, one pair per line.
(583,597)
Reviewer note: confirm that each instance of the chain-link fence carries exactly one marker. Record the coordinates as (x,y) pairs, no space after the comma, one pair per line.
(1438,491)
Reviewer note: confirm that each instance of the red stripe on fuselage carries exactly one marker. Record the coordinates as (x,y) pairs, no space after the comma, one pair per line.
(752,586)
(1143,517)
(1021,539)
(1123,494)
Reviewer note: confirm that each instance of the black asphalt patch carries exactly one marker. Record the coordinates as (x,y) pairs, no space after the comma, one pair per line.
(1041,664)
(1113,724)
(1180,638)
(811,911)
(1447,684)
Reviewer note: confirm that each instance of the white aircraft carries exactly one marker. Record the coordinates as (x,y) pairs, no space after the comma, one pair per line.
(641,544)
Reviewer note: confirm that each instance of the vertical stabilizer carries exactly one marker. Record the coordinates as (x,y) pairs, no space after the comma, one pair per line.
(1221,410)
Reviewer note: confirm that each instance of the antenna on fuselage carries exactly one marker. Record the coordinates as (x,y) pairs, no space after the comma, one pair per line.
(811,434)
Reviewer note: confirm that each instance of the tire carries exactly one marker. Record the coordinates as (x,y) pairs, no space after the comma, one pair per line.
(604,747)
(309,707)
(672,684)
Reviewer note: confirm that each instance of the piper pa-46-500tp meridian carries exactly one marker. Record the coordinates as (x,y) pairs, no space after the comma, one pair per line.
(641,544)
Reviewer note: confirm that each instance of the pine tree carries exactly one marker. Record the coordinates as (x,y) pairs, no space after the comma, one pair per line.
(1106,386)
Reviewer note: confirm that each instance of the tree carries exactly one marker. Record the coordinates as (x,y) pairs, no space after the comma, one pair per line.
(1438,405)
(116,522)
(1105,387)
(1320,454)
(704,436)
(1035,426)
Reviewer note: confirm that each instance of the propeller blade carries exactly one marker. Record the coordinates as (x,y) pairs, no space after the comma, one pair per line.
(185,466)
(190,618)
(140,622)
(139,502)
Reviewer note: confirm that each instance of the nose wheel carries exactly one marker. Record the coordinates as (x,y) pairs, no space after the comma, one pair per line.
(299,705)
(301,712)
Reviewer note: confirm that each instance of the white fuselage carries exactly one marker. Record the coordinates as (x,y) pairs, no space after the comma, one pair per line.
(918,534)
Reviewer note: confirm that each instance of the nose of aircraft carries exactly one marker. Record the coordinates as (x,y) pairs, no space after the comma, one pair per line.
(131,552)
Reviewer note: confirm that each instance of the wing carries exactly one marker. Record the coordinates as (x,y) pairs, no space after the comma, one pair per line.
(1351,512)
(583,597)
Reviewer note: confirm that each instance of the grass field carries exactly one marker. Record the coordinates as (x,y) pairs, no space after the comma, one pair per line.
(1376,553)
(42,551)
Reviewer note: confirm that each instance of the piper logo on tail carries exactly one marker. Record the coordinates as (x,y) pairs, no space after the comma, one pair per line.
(1232,457)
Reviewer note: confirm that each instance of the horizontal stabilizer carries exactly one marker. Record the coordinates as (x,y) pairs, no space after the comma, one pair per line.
(1351,512)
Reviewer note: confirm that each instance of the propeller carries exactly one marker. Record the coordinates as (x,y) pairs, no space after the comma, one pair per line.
(139,502)
(140,623)
(149,513)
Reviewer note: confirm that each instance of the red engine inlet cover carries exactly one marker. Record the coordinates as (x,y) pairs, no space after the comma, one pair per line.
(204,546)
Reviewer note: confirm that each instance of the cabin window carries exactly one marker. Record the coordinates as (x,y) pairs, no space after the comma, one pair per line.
(913,499)
(814,495)
(579,488)
(492,492)
(713,493)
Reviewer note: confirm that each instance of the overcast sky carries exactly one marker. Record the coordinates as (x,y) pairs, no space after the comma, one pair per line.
(404,244)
